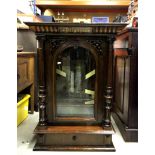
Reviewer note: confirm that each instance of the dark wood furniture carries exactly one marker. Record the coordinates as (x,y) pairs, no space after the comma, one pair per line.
(126,85)
(66,51)
(25,76)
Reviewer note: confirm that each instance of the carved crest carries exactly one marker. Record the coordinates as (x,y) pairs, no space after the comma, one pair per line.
(55,43)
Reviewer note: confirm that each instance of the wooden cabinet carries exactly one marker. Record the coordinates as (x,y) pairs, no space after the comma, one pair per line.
(25,75)
(126,85)
(75,86)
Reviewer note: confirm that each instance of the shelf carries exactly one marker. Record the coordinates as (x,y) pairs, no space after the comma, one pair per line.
(79,3)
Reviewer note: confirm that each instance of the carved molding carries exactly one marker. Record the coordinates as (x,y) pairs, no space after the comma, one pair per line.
(74,28)
(98,44)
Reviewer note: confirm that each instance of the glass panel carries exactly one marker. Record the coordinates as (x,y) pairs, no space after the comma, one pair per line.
(75,83)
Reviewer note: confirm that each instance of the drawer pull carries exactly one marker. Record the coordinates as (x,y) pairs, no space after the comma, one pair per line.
(74,138)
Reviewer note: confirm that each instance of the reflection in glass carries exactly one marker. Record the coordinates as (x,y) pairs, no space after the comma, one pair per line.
(75,82)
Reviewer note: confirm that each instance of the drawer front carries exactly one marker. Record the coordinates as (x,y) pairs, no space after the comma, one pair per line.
(74,139)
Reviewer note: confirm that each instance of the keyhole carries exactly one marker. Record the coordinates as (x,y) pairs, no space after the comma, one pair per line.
(74,137)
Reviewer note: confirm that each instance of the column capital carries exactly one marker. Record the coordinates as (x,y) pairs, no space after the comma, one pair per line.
(111,38)
(40,37)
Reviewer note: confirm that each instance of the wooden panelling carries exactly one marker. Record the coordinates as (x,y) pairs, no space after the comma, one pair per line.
(122,87)
(126,85)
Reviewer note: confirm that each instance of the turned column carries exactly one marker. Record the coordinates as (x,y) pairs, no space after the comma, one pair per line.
(42,89)
(107,107)
(109,90)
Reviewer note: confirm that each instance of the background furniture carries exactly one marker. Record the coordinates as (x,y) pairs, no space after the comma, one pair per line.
(125,105)
(27,40)
(76,11)
(25,76)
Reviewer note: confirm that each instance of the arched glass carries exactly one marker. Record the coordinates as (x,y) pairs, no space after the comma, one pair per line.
(75,83)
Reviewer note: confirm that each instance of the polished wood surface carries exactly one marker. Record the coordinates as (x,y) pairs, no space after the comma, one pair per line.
(25,75)
(74,129)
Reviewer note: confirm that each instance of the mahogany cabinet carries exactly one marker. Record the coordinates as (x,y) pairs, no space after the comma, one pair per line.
(26,76)
(125,105)
(75,86)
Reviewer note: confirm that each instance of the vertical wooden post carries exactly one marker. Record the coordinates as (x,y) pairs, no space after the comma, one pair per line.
(109,90)
(42,89)
(110,61)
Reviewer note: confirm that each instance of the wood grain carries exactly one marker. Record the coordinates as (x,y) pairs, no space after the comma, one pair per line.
(74,129)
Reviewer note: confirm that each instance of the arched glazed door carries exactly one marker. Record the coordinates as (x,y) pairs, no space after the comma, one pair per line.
(75,83)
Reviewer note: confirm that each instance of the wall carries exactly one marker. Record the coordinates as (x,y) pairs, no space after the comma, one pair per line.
(24,6)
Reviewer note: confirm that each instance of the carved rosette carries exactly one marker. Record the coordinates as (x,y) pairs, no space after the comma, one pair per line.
(99,45)
(107,109)
(42,106)
(111,39)
(54,44)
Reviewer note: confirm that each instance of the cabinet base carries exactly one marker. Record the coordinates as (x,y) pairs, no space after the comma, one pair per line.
(38,147)
(129,135)
(74,138)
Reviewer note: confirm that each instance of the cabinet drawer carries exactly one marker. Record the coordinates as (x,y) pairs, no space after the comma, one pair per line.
(70,139)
